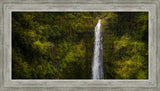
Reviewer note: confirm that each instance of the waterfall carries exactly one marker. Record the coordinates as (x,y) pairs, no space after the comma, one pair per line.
(97,63)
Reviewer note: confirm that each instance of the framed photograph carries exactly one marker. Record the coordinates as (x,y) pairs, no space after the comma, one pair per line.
(79,45)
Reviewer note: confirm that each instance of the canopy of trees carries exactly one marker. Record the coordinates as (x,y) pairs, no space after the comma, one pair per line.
(59,45)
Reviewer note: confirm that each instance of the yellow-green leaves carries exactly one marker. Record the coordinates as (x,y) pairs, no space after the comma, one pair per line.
(51,45)
(42,47)
(123,42)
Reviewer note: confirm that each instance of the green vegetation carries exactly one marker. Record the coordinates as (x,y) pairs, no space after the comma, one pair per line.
(59,45)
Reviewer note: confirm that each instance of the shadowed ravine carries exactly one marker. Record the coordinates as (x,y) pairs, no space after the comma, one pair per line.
(68,45)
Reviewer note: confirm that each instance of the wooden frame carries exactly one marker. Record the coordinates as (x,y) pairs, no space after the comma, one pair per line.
(7,6)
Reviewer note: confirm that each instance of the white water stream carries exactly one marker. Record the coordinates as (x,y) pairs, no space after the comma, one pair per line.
(97,63)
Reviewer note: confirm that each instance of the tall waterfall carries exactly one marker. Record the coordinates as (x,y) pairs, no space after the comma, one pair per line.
(97,63)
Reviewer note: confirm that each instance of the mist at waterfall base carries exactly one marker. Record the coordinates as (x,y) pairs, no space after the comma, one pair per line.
(97,63)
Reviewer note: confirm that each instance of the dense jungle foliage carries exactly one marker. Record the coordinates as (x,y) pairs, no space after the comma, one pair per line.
(59,45)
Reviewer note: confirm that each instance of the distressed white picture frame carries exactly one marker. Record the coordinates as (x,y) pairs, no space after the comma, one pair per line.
(8,6)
